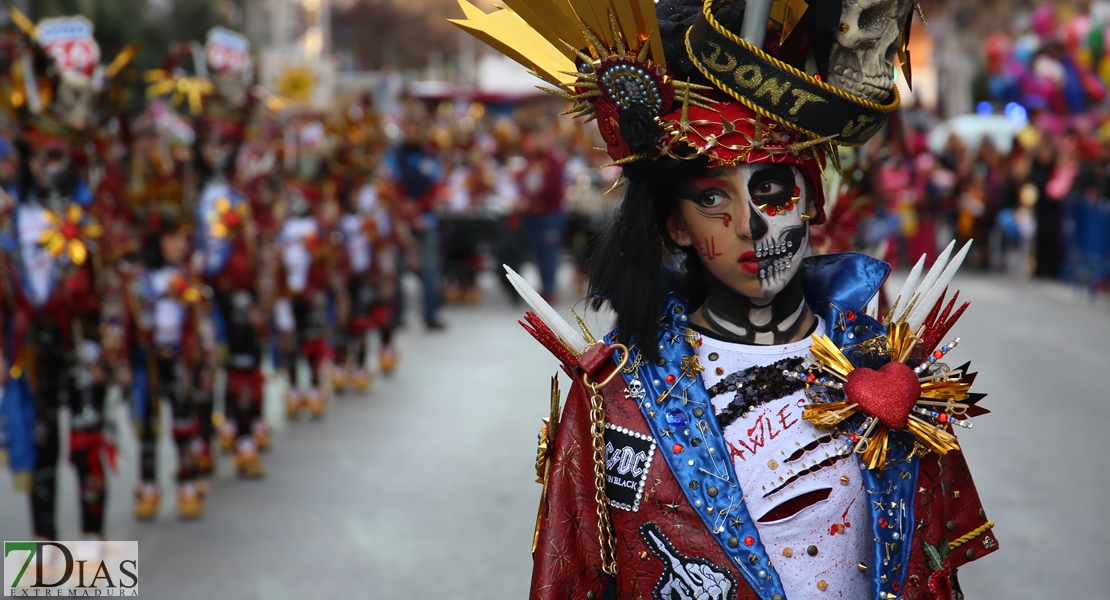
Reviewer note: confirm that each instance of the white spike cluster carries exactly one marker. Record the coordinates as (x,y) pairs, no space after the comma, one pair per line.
(925,295)
(908,288)
(872,309)
(558,325)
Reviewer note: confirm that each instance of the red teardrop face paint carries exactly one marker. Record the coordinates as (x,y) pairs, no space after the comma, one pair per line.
(727,220)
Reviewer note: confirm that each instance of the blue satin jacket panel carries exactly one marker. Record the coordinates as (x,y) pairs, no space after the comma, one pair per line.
(679,412)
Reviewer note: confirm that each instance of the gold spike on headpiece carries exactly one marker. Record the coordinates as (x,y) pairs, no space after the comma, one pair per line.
(25,25)
(547,35)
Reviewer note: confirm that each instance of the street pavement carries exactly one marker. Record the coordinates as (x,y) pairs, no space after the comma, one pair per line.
(424,487)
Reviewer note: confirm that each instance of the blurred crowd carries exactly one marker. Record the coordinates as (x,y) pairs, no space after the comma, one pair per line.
(1038,208)
(509,187)
(228,235)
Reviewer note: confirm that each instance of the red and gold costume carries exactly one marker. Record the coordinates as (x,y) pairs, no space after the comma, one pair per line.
(371,238)
(310,272)
(219,101)
(62,237)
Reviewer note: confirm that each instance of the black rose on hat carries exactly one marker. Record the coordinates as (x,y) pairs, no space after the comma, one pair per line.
(639,129)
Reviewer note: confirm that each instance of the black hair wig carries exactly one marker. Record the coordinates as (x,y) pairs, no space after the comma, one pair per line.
(634,262)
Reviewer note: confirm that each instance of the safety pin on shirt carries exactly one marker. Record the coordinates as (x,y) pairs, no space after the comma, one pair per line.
(703,427)
(722,515)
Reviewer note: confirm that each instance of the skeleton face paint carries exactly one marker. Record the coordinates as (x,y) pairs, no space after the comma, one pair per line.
(862,59)
(51,164)
(762,247)
(216,150)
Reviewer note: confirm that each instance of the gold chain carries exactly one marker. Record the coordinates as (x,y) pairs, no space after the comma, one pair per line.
(604,526)
(597,431)
(636,364)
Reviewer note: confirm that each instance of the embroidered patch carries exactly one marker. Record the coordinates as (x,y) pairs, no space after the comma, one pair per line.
(686,576)
(628,457)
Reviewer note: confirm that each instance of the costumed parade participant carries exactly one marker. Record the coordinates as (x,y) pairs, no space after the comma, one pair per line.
(219,100)
(61,241)
(752,428)
(310,285)
(173,351)
(370,239)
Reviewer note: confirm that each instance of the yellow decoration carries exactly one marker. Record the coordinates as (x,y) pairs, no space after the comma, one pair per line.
(786,14)
(68,235)
(547,35)
(296,83)
(194,89)
(185,290)
(226,218)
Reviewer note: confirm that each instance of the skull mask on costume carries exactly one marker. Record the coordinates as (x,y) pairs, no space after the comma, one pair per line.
(779,232)
(862,58)
(75,102)
(51,164)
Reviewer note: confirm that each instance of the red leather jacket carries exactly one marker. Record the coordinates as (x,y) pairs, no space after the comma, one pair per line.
(666,543)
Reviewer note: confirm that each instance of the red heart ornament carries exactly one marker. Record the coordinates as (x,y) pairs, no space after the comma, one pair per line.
(887,394)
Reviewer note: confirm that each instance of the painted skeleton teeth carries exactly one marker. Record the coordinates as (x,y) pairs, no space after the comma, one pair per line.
(780,253)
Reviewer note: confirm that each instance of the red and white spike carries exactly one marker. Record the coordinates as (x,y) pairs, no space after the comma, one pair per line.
(929,295)
(567,334)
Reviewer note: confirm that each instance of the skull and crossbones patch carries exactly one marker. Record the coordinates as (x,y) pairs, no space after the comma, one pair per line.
(686,577)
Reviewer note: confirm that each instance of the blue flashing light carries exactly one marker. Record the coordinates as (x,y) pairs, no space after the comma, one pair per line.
(984,108)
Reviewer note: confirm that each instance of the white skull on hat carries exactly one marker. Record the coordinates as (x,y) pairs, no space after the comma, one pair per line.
(866,40)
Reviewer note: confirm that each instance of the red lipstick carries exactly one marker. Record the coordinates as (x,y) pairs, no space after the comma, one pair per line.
(749,262)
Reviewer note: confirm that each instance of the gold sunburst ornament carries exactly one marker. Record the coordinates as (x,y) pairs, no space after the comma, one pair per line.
(227,218)
(185,289)
(296,83)
(68,234)
(895,389)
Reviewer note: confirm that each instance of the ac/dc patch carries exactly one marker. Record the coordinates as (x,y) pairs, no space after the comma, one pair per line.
(686,576)
(628,457)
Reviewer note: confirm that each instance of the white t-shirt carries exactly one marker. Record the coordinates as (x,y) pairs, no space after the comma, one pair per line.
(169,314)
(778,456)
(39,263)
(294,252)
